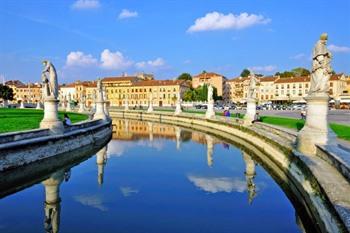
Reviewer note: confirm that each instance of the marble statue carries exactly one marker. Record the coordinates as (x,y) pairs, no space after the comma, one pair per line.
(50,85)
(210,93)
(321,67)
(252,86)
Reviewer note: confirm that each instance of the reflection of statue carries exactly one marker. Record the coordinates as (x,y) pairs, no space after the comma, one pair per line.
(52,201)
(178,137)
(252,86)
(210,145)
(101,159)
(250,175)
(210,93)
(321,66)
(50,85)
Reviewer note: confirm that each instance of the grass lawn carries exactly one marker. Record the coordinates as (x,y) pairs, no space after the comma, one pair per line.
(25,119)
(342,131)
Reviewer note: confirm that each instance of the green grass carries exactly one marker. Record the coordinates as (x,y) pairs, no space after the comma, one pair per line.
(342,131)
(25,119)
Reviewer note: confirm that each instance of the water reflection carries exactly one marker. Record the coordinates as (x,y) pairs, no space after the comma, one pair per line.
(150,177)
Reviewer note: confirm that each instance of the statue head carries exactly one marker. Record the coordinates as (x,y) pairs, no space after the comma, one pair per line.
(44,62)
(324,37)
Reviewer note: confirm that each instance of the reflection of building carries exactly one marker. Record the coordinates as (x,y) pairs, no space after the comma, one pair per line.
(214,79)
(249,174)
(210,145)
(52,201)
(101,159)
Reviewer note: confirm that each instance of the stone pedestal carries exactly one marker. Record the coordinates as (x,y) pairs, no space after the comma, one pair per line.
(210,113)
(315,130)
(178,110)
(22,105)
(38,106)
(51,120)
(251,111)
(105,107)
(126,106)
(68,108)
(100,111)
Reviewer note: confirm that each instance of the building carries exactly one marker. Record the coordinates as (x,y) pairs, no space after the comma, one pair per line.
(214,79)
(137,91)
(27,93)
(282,90)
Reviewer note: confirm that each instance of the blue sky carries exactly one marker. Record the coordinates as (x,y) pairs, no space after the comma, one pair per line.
(86,39)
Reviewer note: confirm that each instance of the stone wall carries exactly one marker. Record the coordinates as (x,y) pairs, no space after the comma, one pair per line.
(23,148)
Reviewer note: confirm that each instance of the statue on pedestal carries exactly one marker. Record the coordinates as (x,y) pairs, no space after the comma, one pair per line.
(321,67)
(210,93)
(252,86)
(50,85)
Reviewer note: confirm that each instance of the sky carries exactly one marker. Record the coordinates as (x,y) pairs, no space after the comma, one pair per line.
(88,39)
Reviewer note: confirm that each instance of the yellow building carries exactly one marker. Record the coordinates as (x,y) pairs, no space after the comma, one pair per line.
(214,79)
(137,91)
(28,93)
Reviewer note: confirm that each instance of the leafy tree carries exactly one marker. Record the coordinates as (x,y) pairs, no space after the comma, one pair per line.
(300,71)
(200,94)
(245,73)
(6,93)
(188,95)
(184,76)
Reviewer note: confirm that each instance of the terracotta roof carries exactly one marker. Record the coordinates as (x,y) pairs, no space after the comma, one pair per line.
(294,79)
(238,79)
(268,79)
(336,77)
(208,75)
(121,78)
(160,83)
(69,85)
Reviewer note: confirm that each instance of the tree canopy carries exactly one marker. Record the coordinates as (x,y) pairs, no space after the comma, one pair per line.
(199,94)
(245,73)
(184,76)
(6,93)
(296,72)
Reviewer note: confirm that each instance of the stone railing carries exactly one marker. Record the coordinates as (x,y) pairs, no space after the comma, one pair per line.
(274,146)
(22,135)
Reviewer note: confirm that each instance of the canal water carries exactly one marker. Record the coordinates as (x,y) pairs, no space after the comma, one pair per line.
(154,178)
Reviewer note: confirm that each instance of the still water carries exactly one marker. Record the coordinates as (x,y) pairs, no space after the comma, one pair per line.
(154,178)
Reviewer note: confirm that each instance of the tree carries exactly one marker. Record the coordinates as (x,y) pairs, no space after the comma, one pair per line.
(300,71)
(184,76)
(245,73)
(6,93)
(200,94)
(188,95)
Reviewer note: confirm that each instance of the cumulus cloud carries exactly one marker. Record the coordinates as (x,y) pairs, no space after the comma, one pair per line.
(267,68)
(85,4)
(157,63)
(114,60)
(339,49)
(78,58)
(125,13)
(298,56)
(219,21)
(218,184)
(118,148)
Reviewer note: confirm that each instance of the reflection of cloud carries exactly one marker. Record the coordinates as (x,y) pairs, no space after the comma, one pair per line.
(218,184)
(91,201)
(128,191)
(117,148)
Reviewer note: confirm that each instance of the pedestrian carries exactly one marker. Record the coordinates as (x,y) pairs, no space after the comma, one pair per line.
(66,120)
(303,114)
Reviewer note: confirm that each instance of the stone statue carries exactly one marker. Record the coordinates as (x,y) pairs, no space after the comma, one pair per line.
(50,85)
(210,93)
(252,86)
(321,67)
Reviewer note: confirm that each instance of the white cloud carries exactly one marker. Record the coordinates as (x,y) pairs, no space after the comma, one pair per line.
(86,4)
(128,191)
(78,58)
(339,49)
(267,68)
(298,56)
(118,148)
(93,201)
(125,13)
(157,63)
(218,21)
(218,184)
(114,60)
